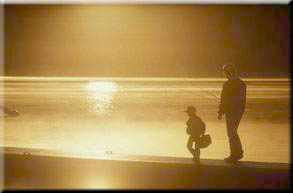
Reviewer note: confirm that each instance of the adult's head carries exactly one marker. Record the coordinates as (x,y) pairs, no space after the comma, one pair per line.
(230,71)
(191,110)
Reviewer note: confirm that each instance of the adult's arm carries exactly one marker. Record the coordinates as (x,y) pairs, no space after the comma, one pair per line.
(243,96)
(223,99)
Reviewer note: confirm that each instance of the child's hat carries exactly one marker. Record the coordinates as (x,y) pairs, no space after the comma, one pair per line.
(190,109)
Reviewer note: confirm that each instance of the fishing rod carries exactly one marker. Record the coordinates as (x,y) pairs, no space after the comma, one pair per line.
(217,98)
(214,96)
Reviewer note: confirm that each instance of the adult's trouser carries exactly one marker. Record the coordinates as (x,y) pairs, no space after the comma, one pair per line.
(232,123)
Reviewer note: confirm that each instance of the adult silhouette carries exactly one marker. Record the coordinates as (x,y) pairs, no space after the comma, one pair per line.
(232,105)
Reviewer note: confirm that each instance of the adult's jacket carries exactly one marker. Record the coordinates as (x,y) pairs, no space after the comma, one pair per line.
(233,97)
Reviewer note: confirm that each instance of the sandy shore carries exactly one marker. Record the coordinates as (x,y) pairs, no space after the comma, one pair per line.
(49,172)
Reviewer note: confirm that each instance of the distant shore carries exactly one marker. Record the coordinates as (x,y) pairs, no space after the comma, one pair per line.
(81,79)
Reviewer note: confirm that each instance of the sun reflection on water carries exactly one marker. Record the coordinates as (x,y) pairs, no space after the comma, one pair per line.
(101,96)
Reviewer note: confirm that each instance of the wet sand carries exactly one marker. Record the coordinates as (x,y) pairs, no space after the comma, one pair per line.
(51,172)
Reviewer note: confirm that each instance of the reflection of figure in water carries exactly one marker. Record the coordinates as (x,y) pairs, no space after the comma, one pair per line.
(195,128)
(233,99)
